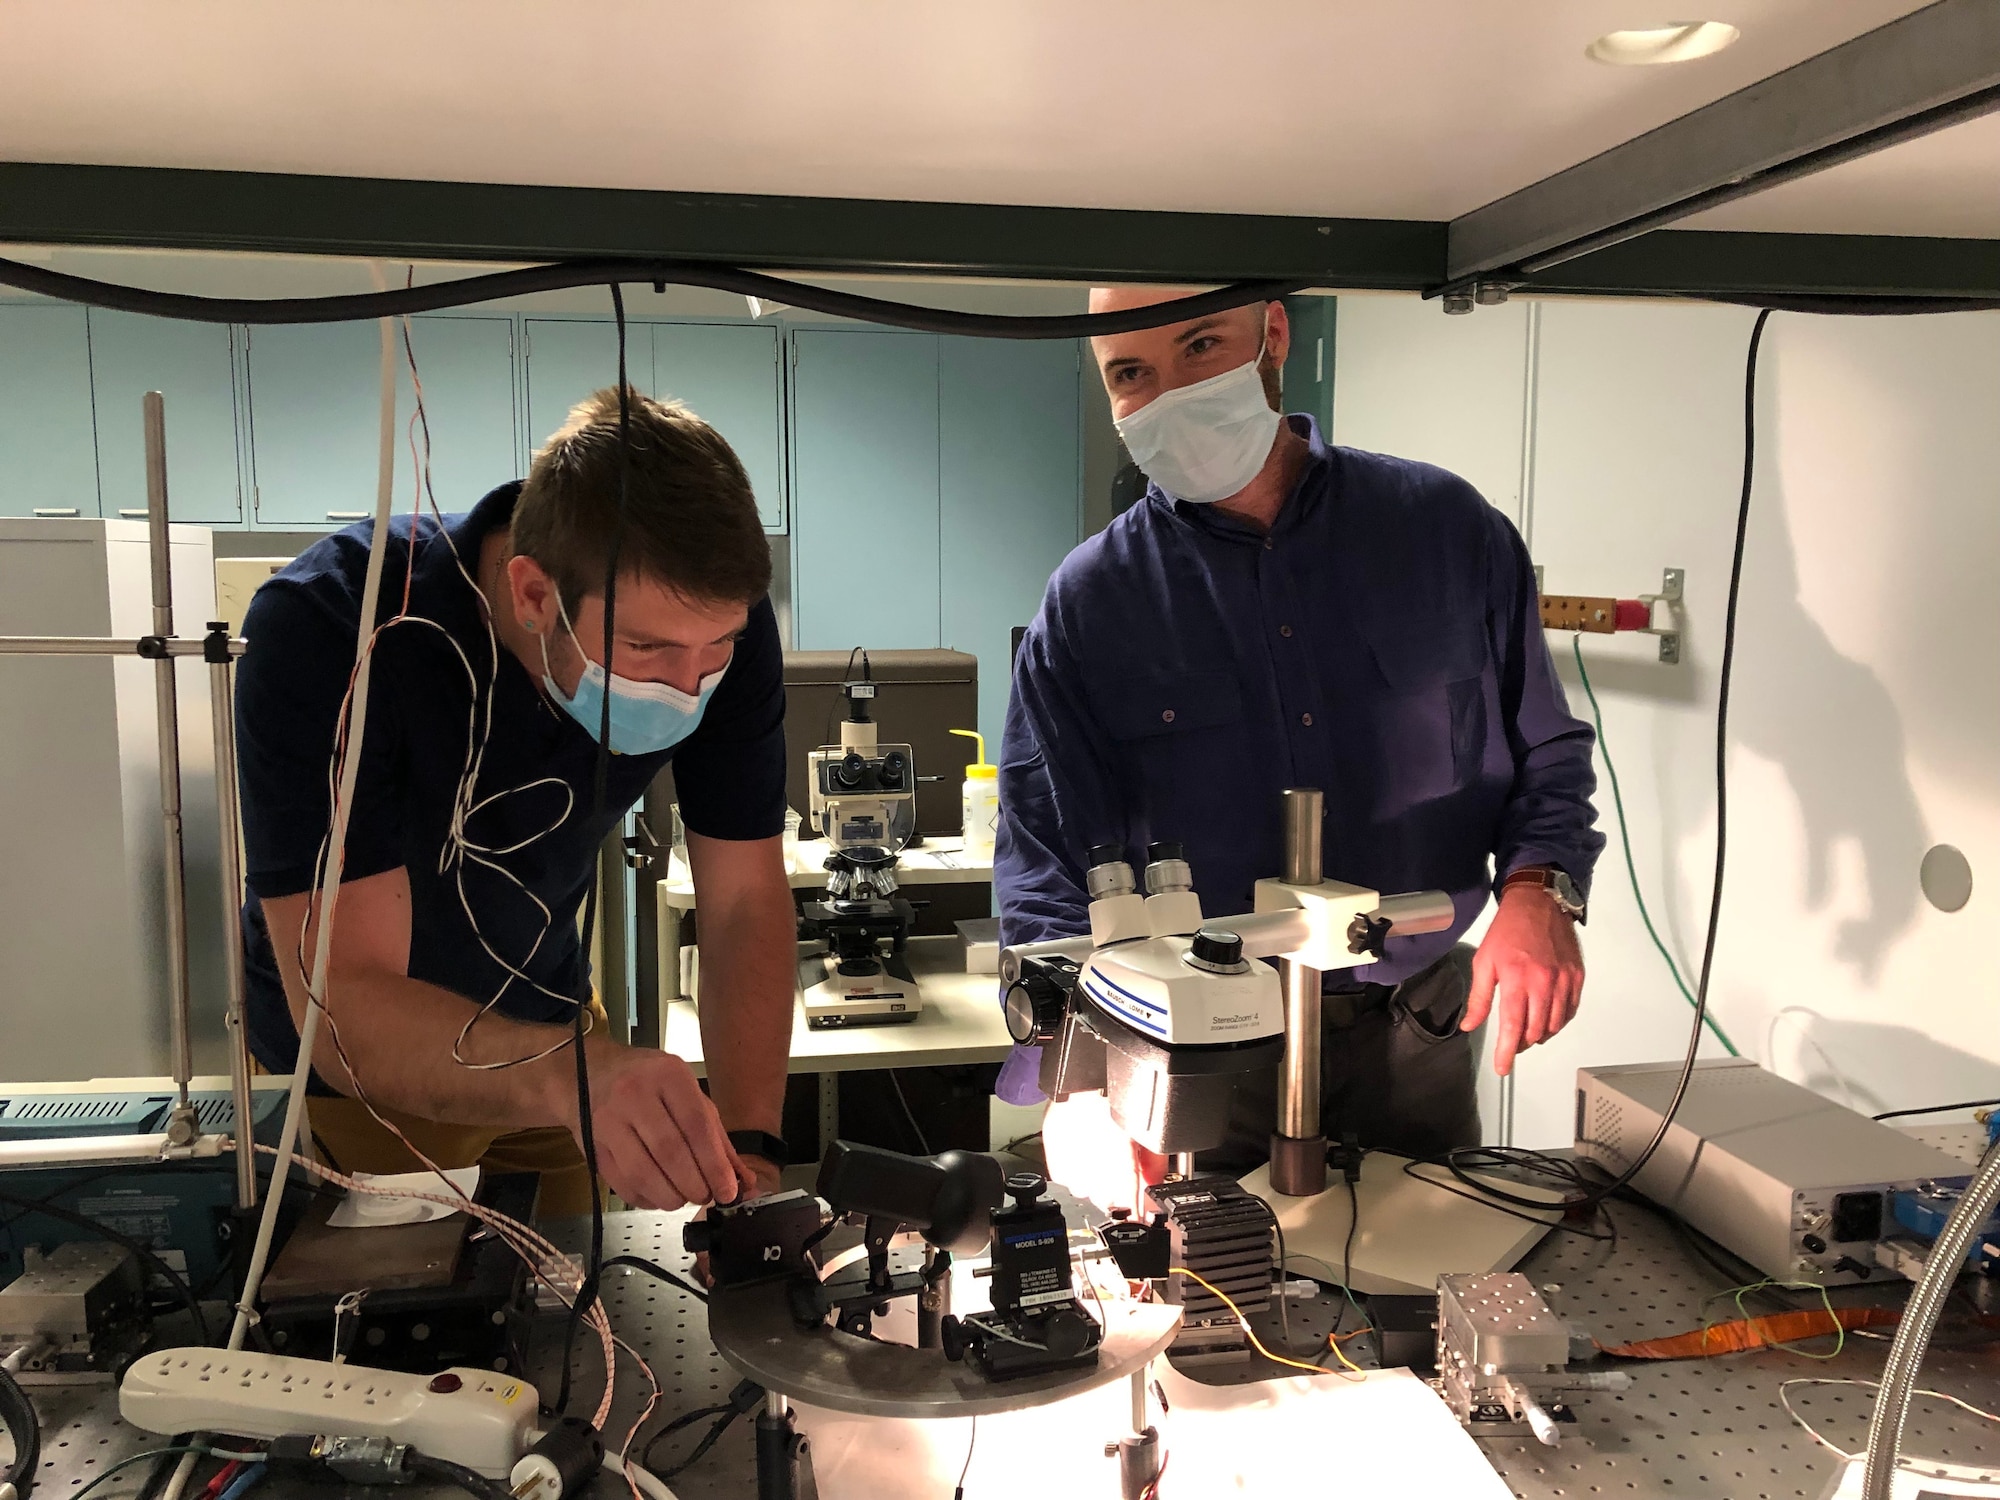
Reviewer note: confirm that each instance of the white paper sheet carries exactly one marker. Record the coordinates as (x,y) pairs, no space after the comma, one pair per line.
(1388,1435)
(368,1210)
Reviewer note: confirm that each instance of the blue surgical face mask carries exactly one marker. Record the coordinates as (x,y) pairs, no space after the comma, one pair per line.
(1204,442)
(646,717)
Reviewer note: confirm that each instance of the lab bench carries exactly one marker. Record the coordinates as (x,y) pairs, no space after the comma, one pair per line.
(1711,1429)
(1707,1429)
(961,1022)
(938,861)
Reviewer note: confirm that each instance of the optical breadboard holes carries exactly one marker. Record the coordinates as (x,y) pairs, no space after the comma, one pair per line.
(1671,42)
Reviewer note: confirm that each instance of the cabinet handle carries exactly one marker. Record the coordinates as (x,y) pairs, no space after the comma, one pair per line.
(55,512)
(131,515)
(349,515)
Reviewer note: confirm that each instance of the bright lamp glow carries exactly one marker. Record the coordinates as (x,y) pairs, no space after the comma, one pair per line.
(1676,41)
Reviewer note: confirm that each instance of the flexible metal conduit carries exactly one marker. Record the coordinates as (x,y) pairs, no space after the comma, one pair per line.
(1913,1334)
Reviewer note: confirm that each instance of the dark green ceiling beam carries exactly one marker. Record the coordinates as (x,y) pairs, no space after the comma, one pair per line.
(1714,263)
(275,213)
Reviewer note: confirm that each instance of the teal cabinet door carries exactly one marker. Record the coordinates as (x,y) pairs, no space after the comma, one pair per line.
(48,442)
(315,400)
(192,366)
(467,369)
(570,359)
(1011,495)
(865,489)
(729,373)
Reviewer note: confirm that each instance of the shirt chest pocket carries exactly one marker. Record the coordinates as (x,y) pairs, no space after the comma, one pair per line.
(1178,735)
(1431,727)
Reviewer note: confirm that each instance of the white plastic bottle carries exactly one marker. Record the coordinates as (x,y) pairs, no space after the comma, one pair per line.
(979,802)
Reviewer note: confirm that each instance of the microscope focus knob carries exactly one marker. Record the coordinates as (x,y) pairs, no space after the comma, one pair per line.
(1213,945)
(1025,1187)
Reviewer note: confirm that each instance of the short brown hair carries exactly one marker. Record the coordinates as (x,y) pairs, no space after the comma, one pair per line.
(691,520)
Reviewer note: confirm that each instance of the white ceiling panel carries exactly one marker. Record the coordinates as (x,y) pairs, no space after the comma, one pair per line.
(1416,108)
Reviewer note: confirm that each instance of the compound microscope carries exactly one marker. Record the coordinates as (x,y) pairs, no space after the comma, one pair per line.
(864,804)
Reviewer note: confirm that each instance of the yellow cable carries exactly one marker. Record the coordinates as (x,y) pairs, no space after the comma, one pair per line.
(1257,1343)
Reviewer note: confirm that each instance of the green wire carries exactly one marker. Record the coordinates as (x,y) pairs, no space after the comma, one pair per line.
(139,1458)
(1625,838)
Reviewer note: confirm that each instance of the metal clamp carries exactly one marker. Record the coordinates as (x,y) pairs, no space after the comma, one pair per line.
(1671,581)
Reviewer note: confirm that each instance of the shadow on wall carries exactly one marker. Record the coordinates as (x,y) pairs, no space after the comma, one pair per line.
(1802,1046)
(1832,727)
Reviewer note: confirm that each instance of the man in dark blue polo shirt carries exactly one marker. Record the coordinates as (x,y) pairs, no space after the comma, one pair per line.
(456,964)
(1278,612)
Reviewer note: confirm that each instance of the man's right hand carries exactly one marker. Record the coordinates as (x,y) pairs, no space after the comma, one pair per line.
(660,1143)
(1089,1153)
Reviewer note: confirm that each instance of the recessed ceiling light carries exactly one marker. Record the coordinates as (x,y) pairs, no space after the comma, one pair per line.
(1675,41)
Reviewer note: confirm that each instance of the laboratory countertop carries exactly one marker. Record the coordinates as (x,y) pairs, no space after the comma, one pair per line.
(939,861)
(1710,1429)
(961,1023)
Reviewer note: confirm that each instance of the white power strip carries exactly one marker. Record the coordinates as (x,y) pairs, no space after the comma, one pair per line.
(471,1417)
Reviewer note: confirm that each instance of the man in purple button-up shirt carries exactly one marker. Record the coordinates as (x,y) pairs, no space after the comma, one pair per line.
(1278,612)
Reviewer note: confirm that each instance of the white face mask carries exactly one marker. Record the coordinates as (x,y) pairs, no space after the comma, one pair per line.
(1204,442)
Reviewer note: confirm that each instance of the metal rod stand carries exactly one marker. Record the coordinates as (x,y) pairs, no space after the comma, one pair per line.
(784,1454)
(1298,1146)
(222,719)
(182,1126)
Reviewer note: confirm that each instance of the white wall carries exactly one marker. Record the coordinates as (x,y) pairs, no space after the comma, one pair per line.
(1865,704)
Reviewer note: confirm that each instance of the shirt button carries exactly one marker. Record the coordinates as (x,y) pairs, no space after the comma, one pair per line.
(1285,630)
(1167,717)
(1307,720)
(1269,544)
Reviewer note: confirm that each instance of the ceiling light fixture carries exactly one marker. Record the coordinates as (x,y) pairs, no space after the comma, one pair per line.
(1675,41)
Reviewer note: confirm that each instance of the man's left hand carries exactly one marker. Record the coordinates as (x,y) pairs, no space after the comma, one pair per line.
(1530,966)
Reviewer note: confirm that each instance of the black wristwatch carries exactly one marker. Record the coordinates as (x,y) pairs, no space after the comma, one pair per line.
(762,1143)
(1560,888)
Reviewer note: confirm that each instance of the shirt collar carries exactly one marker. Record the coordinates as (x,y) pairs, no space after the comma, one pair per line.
(1304,500)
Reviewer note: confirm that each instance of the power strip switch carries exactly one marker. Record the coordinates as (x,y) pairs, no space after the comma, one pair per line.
(471,1417)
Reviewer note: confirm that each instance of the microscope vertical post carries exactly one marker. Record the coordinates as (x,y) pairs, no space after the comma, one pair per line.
(1298,1148)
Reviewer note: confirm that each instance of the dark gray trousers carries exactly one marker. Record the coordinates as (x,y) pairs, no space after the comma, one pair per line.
(1400,1075)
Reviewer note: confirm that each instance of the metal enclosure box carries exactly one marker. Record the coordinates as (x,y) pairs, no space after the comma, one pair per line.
(82,904)
(1793,1183)
(1499,1323)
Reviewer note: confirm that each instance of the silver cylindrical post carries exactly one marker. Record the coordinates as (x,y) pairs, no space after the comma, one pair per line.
(1139,1398)
(1298,1077)
(167,713)
(1298,1148)
(1305,812)
(223,721)
(1181,1164)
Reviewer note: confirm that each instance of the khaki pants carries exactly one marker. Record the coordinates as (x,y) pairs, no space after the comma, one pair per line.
(346,1132)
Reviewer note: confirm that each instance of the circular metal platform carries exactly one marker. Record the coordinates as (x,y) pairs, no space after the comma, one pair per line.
(755,1332)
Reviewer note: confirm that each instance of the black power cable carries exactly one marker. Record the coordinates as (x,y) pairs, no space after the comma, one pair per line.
(402,301)
(1590,1197)
(17,1413)
(593,1270)
(471,1481)
(1935,1109)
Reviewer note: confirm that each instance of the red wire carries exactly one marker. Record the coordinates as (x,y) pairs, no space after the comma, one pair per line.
(221,1481)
